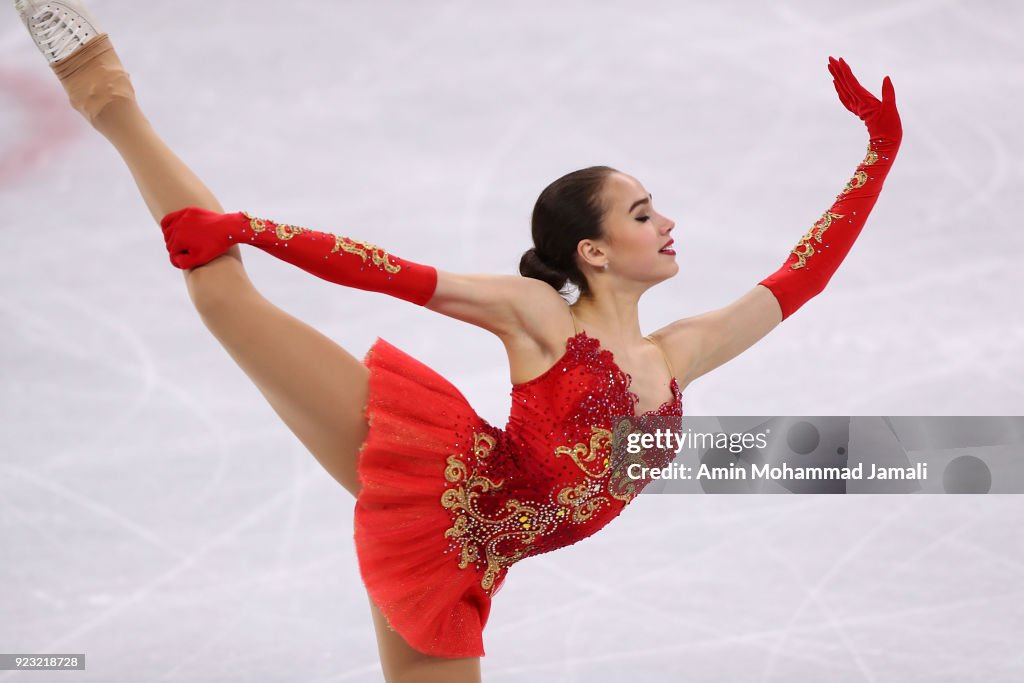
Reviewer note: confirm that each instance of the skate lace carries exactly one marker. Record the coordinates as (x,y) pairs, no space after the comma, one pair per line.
(55,33)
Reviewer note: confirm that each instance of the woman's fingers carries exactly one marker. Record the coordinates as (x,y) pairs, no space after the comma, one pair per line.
(832,64)
(858,90)
(843,96)
(842,74)
(841,89)
(841,84)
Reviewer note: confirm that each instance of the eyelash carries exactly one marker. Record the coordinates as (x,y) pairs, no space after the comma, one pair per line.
(643,219)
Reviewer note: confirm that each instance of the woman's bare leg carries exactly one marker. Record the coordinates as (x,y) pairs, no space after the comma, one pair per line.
(316,387)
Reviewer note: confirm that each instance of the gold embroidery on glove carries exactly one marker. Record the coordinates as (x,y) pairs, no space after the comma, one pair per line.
(258,225)
(857,181)
(872,157)
(365,250)
(804,249)
(286,232)
(282,230)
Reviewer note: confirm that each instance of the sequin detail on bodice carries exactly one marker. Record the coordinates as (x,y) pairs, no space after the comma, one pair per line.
(545,481)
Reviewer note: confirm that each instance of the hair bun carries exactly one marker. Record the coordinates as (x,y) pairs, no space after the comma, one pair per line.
(533,265)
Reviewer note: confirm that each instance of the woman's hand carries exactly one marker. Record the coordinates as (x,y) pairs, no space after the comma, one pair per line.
(880,117)
(195,236)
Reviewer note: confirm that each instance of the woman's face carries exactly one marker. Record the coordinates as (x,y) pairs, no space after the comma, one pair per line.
(637,244)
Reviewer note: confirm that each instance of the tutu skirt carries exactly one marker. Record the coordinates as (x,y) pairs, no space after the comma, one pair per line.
(417,419)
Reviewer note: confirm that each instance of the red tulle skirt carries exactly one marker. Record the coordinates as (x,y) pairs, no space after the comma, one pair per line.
(417,419)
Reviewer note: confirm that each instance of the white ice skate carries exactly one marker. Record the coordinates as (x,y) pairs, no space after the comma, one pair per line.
(59,27)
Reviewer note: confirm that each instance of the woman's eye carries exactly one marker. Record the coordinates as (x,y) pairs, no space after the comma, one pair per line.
(643,218)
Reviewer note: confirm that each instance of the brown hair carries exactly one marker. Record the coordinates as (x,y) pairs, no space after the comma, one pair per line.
(567,211)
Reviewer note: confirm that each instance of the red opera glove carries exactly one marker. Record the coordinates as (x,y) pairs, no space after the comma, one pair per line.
(196,236)
(817,255)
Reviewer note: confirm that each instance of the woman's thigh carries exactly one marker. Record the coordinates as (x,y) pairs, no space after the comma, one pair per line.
(403,664)
(317,388)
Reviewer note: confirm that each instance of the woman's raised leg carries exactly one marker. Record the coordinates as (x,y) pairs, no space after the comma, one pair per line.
(318,388)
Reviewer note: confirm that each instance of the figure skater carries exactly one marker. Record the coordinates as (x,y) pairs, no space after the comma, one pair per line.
(445,503)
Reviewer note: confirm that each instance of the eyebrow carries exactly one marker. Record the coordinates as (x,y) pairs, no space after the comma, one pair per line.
(640,201)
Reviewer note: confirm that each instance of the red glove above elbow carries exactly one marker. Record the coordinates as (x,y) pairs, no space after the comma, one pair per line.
(196,236)
(817,255)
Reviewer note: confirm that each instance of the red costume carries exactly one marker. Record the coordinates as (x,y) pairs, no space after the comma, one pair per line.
(450,502)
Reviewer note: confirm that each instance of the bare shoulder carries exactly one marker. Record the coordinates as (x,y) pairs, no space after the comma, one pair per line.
(528,315)
(680,341)
(531,318)
(543,315)
(542,326)
(701,343)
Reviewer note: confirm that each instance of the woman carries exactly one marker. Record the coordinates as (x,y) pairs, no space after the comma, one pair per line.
(445,502)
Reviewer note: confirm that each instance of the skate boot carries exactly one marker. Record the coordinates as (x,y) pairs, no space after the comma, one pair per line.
(59,27)
(79,53)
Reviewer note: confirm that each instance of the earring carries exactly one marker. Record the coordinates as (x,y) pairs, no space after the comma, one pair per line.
(605,266)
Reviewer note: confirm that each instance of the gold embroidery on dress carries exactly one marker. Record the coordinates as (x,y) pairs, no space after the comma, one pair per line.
(365,250)
(581,500)
(584,456)
(497,539)
(624,484)
(620,485)
(474,529)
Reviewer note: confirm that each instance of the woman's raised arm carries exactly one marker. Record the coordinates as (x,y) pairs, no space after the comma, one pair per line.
(702,343)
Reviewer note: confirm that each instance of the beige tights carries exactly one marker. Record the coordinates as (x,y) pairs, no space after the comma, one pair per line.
(100,89)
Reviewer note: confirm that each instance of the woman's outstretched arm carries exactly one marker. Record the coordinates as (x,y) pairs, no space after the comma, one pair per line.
(704,342)
(497,303)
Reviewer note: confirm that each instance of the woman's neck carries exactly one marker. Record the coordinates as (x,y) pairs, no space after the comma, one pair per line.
(614,320)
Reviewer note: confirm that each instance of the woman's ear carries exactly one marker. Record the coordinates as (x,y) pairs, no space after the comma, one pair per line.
(592,253)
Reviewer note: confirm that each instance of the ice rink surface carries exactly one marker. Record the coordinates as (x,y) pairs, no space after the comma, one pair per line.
(156,514)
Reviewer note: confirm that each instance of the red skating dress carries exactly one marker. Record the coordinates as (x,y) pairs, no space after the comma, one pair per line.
(450,502)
